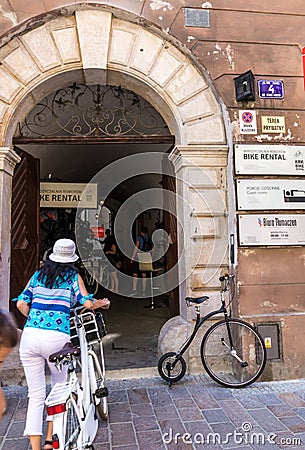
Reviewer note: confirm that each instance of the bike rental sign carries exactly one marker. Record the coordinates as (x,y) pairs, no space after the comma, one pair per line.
(68,195)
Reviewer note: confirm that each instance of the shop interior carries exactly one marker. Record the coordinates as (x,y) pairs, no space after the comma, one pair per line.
(132,325)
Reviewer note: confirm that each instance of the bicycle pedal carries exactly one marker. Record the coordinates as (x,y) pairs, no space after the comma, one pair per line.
(101,392)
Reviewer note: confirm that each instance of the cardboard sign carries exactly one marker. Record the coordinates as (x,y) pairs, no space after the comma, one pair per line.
(273,124)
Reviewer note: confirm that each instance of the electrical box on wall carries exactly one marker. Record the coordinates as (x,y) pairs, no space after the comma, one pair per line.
(270,332)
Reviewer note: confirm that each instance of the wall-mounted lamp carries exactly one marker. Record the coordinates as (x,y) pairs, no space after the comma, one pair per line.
(244,87)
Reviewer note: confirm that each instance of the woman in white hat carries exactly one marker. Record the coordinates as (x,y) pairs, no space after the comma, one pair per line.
(46,302)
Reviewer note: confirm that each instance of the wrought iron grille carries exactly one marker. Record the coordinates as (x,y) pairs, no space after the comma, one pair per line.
(81,110)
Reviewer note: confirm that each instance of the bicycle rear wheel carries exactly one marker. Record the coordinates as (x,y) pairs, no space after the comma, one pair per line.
(233,353)
(71,426)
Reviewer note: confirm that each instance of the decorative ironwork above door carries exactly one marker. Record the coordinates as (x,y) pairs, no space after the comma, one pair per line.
(81,110)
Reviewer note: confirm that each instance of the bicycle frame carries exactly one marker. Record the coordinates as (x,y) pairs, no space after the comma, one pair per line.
(200,320)
(79,394)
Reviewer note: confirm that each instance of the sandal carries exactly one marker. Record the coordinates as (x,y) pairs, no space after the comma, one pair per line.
(48,445)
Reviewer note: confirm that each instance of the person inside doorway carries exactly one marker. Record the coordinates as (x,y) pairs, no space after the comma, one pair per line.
(144,244)
(46,301)
(8,340)
(111,252)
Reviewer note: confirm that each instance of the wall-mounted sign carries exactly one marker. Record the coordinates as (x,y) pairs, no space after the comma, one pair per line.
(68,195)
(270,194)
(247,122)
(273,124)
(271,89)
(269,159)
(268,229)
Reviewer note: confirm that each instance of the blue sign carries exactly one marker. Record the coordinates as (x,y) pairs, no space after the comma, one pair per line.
(271,89)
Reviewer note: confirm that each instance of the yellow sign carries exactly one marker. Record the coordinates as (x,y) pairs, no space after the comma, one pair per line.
(268,342)
(273,124)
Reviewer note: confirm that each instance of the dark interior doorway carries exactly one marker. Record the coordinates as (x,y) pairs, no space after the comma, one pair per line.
(69,136)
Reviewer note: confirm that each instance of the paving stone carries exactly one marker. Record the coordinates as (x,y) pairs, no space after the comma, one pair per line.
(166,412)
(205,401)
(150,439)
(184,403)
(295,424)
(236,412)
(122,433)
(270,399)
(142,410)
(266,420)
(117,396)
(102,435)
(215,415)
(120,412)
(138,396)
(281,410)
(292,400)
(300,412)
(145,423)
(188,414)
(16,430)
(174,425)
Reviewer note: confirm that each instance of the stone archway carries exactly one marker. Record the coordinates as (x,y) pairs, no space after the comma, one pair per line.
(93,46)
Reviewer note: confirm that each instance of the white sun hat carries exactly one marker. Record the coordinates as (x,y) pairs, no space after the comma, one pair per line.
(64,251)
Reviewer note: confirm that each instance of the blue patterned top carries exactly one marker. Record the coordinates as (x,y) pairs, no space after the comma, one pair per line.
(50,308)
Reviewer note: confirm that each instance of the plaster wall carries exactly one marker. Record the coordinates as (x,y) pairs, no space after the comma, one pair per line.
(120,52)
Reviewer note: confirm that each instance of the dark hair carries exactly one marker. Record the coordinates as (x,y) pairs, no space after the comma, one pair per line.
(52,273)
(8,330)
(144,230)
(108,232)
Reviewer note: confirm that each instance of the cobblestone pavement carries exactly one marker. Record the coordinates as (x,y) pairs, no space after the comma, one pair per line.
(196,413)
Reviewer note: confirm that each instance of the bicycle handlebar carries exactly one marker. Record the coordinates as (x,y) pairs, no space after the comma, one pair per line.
(226,277)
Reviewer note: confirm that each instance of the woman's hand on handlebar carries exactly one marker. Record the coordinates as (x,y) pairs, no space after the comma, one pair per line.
(103,303)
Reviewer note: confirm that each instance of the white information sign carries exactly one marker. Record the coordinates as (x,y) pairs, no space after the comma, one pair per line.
(247,122)
(68,195)
(268,229)
(269,159)
(270,194)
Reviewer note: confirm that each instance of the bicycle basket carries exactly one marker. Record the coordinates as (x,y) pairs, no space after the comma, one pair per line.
(94,326)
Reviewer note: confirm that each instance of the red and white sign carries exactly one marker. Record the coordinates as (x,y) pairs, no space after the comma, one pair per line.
(247,121)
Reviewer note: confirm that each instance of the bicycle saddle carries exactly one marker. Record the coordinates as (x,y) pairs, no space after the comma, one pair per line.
(197,300)
(67,350)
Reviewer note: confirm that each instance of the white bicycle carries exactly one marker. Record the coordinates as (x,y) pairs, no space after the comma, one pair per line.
(74,405)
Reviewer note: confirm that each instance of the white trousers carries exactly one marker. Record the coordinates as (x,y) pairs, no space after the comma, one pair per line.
(35,347)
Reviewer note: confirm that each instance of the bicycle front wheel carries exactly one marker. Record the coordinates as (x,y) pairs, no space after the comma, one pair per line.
(233,353)
(171,367)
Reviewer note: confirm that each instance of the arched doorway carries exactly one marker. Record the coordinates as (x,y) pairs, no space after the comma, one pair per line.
(72,135)
(136,58)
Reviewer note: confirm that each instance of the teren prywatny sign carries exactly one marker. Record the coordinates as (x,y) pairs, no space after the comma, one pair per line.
(269,159)
(68,195)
